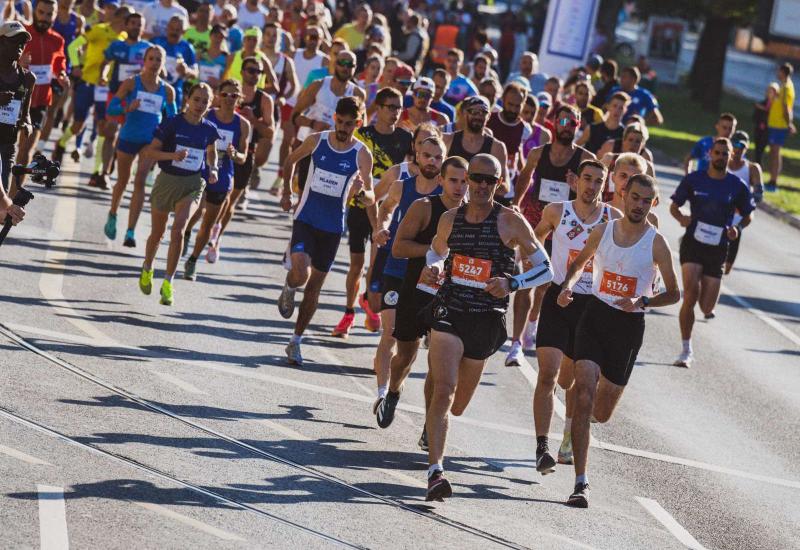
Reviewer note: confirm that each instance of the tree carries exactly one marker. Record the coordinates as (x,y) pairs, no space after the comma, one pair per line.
(720,18)
(607,17)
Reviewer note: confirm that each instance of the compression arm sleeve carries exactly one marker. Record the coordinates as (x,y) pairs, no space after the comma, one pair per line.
(539,274)
(171,109)
(432,259)
(73,50)
(115,107)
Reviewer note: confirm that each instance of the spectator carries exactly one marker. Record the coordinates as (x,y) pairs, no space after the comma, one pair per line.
(416,44)
(608,76)
(760,111)
(780,123)
(643,103)
(354,32)
(649,75)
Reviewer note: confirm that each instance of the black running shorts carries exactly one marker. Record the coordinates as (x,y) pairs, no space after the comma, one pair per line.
(609,337)
(409,322)
(558,325)
(710,257)
(321,246)
(216,197)
(359,229)
(390,292)
(242,172)
(481,333)
(376,275)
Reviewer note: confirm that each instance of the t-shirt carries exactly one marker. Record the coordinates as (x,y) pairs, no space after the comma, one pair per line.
(387,149)
(350,34)
(156,17)
(176,133)
(445,108)
(702,152)
(199,40)
(642,102)
(98,38)
(181,49)
(248,19)
(460,88)
(128,60)
(713,203)
(775,118)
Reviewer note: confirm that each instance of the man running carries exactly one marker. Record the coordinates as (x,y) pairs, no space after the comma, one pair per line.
(750,172)
(595,135)
(341,168)
(507,126)
(714,196)
(421,111)
(474,248)
(701,151)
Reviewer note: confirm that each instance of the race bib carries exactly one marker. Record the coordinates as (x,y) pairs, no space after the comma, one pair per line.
(553,191)
(9,114)
(430,289)
(571,258)
(328,183)
(192,162)
(101,93)
(149,103)
(171,64)
(208,72)
(618,285)
(226,138)
(469,271)
(708,234)
(127,70)
(43,73)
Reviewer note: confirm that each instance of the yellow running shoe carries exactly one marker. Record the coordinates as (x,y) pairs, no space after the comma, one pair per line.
(146,281)
(166,293)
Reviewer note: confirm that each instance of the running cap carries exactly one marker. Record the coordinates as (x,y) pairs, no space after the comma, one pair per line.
(10,29)
(544,99)
(403,72)
(424,83)
(740,139)
(594,62)
(253,31)
(476,101)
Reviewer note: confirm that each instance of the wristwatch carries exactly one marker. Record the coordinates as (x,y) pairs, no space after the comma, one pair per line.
(513,284)
(645,302)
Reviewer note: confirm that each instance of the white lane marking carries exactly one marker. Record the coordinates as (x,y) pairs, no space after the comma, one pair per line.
(191,522)
(531,376)
(52,518)
(24,457)
(175,381)
(769,321)
(664,517)
(60,336)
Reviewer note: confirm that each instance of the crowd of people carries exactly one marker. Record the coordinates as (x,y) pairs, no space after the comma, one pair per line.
(455,191)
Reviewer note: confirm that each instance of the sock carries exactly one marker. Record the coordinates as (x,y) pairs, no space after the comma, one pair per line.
(169,278)
(98,155)
(192,258)
(581,479)
(65,138)
(349,311)
(296,339)
(146,267)
(541,444)
(567,425)
(382,390)
(434,468)
(687,346)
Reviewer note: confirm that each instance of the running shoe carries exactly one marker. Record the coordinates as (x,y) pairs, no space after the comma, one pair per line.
(377,404)
(771,187)
(515,355)
(545,463)
(215,231)
(130,239)
(190,269)
(101,182)
(438,487)
(286,302)
(293,354)
(242,204)
(385,412)
(685,360)
(212,254)
(422,443)
(167,299)
(373,321)
(88,150)
(277,186)
(110,228)
(187,240)
(580,496)
(426,341)
(76,156)
(345,324)
(565,450)
(146,281)
(58,153)
(529,337)
(93,180)
(710,316)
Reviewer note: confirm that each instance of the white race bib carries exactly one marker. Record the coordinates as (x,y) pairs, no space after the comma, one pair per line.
(226,139)
(127,70)
(553,191)
(9,114)
(193,160)
(210,71)
(171,64)
(43,73)
(328,183)
(101,93)
(708,234)
(149,103)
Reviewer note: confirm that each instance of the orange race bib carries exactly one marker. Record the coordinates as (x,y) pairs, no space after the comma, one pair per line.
(571,258)
(469,271)
(430,289)
(615,284)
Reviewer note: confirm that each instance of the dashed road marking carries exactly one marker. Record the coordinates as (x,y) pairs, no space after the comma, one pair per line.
(191,522)
(24,457)
(664,517)
(177,382)
(52,518)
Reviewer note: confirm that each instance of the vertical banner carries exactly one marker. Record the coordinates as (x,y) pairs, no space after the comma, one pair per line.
(568,34)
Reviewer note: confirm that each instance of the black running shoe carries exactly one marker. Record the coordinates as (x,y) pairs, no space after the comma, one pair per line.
(580,496)
(76,156)
(58,153)
(423,440)
(438,487)
(101,181)
(385,412)
(710,316)
(545,463)
(94,180)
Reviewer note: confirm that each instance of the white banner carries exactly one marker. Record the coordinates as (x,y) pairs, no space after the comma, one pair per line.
(568,34)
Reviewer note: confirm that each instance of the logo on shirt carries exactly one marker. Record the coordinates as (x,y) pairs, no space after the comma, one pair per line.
(344,165)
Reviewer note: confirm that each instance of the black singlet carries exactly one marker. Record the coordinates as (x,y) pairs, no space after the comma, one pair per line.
(600,134)
(255,104)
(415,265)
(457,146)
(8,132)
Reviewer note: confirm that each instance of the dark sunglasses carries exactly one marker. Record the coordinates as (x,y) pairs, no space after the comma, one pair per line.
(229,94)
(423,94)
(312,37)
(405,82)
(484,178)
(567,121)
(740,145)
(345,63)
(391,106)
(251,70)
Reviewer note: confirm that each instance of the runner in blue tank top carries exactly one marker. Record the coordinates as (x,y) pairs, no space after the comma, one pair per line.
(145,98)
(234,131)
(182,146)
(429,158)
(341,168)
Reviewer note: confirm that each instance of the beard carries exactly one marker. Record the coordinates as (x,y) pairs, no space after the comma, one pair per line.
(508,116)
(41,26)
(719,165)
(341,136)
(429,172)
(475,127)
(565,138)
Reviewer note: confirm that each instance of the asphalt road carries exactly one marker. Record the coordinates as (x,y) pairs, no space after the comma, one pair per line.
(124,423)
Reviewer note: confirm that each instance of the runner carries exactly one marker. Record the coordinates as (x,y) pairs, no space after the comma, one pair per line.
(643,102)
(234,131)
(250,48)
(621,168)
(158,14)
(750,173)
(539,134)
(460,86)
(714,197)
(181,61)
(507,126)
(634,140)
(421,111)
(570,223)
(553,167)
(389,145)
(182,146)
(211,63)
(474,249)
(143,99)
(596,135)
(701,152)
(402,193)
(412,240)
(626,255)
(341,168)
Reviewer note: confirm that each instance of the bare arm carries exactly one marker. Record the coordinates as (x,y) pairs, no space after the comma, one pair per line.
(654,118)
(551,215)
(362,187)
(500,153)
(305,101)
(211,160)
(415,220)
(385,211)
(239,155)
(584,139)
(524,178)
(154,152)
(662,256)
(675,212)
(305,149)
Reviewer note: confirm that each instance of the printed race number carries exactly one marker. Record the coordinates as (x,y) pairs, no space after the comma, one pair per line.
(571,258)
(615,284)
(469,271)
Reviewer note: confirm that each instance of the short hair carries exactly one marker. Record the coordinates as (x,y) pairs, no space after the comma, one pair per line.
(350,106)
(568,108)
(728,116)
(48,2)
(481,57)
(456,162)
(622,96)
(609,67)
(252,59)
(587,85)
(200,86)
(485,158)
(633,72)
(555,80)
(436,140)
(636,128)
(388,93)
(229,82)
(442,73)
(632,159)
(270,25)
(429,127)
(787,69)
(130,15)
(516,87)
(644,180)
(592,163)
(493,82)
(373,58)
(456,52)
(341,42)
(123,11)
(725,141)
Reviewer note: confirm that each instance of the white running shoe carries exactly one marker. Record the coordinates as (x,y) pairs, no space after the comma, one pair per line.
(212,254)
(515,355)
(286,302)
(293,354)
(685,360)
(529,336)
(565,450)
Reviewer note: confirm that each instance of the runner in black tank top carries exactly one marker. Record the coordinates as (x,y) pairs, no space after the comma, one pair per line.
(457,146)
(600,133)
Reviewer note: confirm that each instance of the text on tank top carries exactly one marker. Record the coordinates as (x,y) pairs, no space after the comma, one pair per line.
(569,238)
(457,146)
(415,265)
(550,181)
(627,272)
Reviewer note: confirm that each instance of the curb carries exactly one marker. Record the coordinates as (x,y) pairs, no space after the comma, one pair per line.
(784,216)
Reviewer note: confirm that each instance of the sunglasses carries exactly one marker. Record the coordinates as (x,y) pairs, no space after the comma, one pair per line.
(345,63)
(740,145)
(229,94)
(423,94)
(391,106)
(566,121)
(476,112)
(484,178)
(251,70)
(405,82)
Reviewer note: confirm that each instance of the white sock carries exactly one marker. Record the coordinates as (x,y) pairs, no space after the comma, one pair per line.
(687,346)
(533,324)
(567,425)
(296,339)
(581,479)
(169,278)
(433,468)
(383,390)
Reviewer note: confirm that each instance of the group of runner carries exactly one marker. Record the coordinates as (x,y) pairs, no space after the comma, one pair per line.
(451,200)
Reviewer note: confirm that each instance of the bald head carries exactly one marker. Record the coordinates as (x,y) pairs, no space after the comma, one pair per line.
(484,163)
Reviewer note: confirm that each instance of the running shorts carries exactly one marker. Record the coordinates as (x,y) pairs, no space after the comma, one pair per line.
(84,99)
(482,334)
(130,147)
(390,292)
(321,246)
(286,113)
(558,325)
(242,172)
(710,257)
(409,322)
(359,229)
(777,136)
(609,337)
(170,189)
(216,197)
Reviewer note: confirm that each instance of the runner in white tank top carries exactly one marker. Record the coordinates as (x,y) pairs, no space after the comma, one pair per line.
(626,253)
(750,172)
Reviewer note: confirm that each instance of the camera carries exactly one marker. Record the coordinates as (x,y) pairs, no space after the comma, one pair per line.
(41,170)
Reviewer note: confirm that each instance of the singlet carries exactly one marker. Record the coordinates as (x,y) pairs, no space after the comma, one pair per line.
(280,70)
(457,146)
(600,133)
(396,267)
(178,134)
(128,60)
(254,104)
(229,132)
(569,238)
(743,172)
(476,254)
(415,265)
(303,67)
(510,134)
(330,173)
(324,105)
(141,123)
(550,184)
(9,113)
(623,272)
(68,30)
(211,67)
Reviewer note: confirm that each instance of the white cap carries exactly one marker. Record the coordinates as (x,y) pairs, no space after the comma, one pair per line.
(424,83)
(10,29)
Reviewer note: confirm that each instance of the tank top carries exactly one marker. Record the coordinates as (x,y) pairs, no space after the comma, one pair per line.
(255,105)
(610,188)
(743,172)
(476,254)
(457,146)
(141,123)
(535,140)
(415,265)
(229,132)
(569,238)
(510,134)
(325,104)
(396,267)
(327,184)
(303,67)
(9,113)
(550,184)
(623,272)
(600,133)
(67,30)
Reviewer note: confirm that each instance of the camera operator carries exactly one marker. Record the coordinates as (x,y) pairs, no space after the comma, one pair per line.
(16,86)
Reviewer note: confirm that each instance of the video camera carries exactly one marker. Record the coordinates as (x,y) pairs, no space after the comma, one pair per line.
(41,170)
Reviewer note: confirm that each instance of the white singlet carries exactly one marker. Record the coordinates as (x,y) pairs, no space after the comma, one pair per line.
(303,67)
(569,238)
(325,104)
